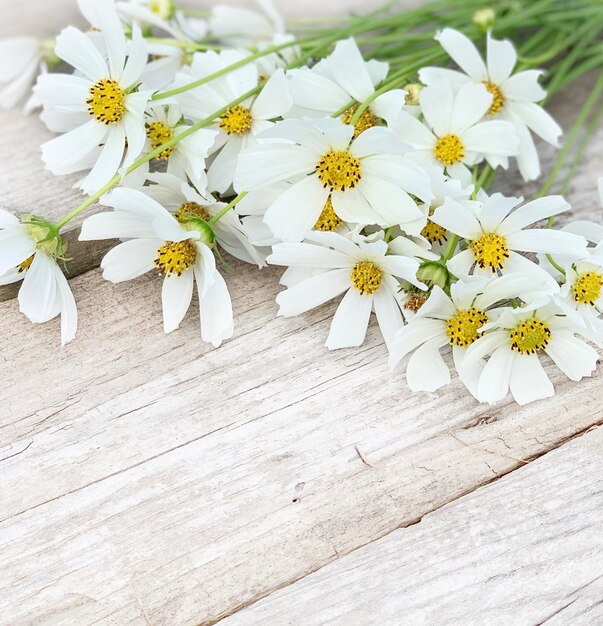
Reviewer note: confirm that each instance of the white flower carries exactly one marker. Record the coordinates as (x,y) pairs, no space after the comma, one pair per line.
(28,252)
(456,135)
(98,108)
(165,62)
(514,95)
(368,180)
(583,292)
(155,239)
(238,26)
(515,342)
(185,201)
(157,13)
(339,80)
(455,321)
(187,157)
(496,230)
(363,270)
(240,124)
(20,64)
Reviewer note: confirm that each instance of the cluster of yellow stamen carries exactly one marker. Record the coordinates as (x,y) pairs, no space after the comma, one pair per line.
(175,257)
(530,336)
(366,277)
(237,121)
(339,171)
(498,100)
(23,267)
(449,149)
(587,288)
(434,233)
(491,251)
(329,220)
(190,210)
(366,120)
(463,328)
(160,133)
(107,102)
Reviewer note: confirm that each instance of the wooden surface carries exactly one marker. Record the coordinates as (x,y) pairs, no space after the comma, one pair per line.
(148,479)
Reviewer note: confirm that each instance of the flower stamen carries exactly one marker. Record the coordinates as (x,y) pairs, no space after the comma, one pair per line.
(175,257)
(366,277)
(237,121)
(463,328)
(530,336)
(339,171)
(160,133)
(434,233)
(449,149)
(23,267)
(328,221)
(107,102)
(191,209)
(491,250)
(498,100)
(366,120)
(587,288)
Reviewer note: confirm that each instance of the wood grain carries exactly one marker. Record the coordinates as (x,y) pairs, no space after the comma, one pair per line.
(525,550)
(149,479)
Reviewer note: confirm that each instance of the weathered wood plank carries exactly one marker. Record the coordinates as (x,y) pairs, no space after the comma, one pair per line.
(525,550)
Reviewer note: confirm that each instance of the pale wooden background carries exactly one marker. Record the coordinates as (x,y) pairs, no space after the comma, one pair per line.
(148,479)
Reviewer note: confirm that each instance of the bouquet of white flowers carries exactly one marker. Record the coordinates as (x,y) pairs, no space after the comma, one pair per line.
(356,153)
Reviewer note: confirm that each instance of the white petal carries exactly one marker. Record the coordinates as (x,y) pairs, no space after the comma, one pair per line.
(38,292)
(495,209)
(215,308)
(539,121)
(297,210)
(482,347)
(67,306)
(116,225)
(130,259)
(388,313)
(438,305)
(458,219)
(437,102)
(548,241)
(494,382)
(413,132)
(104,17)
(524,86)
(417,332)
(15,247)
(426,369)
(8,220)
(532,212)
(137,59)
(502,59)
(460,264)
(529,381)
(402,267)
(77,49)
(221,172)
(108,163)
(497,138)
(176,296)
(274,99)
(349,326)
(470,105)
(462,50)
(312,91)
(572,356)
(313,292)
(349,70)
(307,255)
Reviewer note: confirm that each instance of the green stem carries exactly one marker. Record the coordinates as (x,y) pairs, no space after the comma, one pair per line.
(227,208)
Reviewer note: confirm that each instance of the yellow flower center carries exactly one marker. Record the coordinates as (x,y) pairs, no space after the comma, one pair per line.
(587,288)
(190,210)
(530,336)
(160,133)
(498,100)
(23,267)
(339,171)
(107,102)
(449,149)
(328,220)
(434,233)
(366,277)
(491,250)
(236,121)
(365,121)
(463,328)
(175,257)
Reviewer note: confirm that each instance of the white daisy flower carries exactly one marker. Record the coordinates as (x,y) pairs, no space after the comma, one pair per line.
(238,26)
(21,60)
(497,234)
(187,157)
(514,96)
(340,79)
(187,201)
(97,107)
(240,124)
(515,342)
(280,60)
(456,136)
(154,13)
(455,321)
(367,180)
(29,252)
(155,239)
(364,270)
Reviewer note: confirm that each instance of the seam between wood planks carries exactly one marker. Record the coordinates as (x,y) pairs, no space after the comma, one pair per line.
(413,522)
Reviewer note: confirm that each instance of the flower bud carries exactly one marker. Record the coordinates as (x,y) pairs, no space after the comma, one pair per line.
(484,18)
(413,90)
(45,234)
(163,9)
(433,273)
(205,230)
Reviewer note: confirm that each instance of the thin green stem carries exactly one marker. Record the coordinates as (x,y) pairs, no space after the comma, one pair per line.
(227,208)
